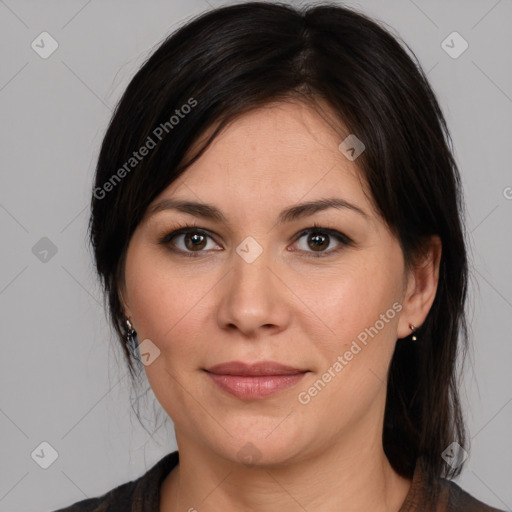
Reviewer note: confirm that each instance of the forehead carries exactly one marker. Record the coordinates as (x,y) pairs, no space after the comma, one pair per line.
(285,149)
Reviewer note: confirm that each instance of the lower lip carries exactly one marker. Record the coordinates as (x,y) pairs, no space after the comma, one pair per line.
(255,387)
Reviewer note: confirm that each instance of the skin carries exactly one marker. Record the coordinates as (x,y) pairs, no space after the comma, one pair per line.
(286,306)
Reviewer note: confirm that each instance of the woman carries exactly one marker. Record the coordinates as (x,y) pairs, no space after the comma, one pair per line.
(276,223)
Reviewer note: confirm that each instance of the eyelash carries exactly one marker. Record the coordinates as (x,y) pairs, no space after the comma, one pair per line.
(192,228)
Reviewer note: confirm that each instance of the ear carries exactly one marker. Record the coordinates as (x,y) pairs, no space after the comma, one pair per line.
(421,287)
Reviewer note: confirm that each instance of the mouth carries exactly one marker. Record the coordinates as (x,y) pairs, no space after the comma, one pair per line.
(254,381)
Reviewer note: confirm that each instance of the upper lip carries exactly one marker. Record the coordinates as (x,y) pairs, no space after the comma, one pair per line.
(254,369)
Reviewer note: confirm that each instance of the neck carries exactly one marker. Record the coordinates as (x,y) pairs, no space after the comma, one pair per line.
(347,476)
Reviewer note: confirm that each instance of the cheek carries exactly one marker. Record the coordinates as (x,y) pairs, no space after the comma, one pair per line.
(360,312)
(165,301)
(166,306)
(351,301)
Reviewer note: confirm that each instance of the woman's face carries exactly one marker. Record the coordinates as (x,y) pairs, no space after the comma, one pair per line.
(258,287)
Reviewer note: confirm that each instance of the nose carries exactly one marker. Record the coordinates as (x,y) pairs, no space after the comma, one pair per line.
(253,298)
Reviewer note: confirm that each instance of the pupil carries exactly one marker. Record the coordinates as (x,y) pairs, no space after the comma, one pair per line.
(196,240)
(317,241)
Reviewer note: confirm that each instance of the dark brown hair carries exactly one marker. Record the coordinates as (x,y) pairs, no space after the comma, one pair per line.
(237,58)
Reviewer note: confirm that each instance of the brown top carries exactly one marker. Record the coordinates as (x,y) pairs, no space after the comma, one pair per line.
(143,494)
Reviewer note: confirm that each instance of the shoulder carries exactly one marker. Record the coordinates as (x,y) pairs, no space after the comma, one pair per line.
(142,494)
(442,495)
(457,499)
(118,497)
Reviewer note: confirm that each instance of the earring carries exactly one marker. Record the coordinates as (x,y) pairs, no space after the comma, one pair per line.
(413,329)
(131,340)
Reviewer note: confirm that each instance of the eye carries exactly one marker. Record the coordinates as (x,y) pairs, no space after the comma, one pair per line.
(193,241)
(187,240)
(318,239)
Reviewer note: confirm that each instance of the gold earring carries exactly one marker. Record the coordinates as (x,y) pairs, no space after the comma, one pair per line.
(413,329)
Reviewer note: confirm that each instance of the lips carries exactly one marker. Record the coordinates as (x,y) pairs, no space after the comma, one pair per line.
(254,381)
(255,369)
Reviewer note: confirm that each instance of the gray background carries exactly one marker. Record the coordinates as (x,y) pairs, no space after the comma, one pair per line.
(61,377)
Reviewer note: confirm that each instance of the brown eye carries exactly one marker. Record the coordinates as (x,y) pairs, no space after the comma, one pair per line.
(319,239)
(188,241)
(318,242)
(194,241)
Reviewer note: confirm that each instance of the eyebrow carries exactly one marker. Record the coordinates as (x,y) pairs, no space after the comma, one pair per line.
(291,214)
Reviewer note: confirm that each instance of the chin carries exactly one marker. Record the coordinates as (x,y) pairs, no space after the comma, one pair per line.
(262,444)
